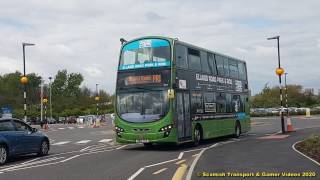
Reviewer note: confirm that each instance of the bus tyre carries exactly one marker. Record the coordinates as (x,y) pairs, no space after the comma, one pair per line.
(197,136)
(3,154)
(237,130)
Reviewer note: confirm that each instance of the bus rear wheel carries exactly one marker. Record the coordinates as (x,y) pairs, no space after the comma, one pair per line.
(197,136)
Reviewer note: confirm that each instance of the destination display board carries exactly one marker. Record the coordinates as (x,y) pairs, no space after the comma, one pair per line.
(144,79)
(160,78)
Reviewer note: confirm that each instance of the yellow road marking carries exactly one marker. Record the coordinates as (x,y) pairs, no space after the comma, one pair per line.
(178,175)
(179,162)
(160,171)
(195,155)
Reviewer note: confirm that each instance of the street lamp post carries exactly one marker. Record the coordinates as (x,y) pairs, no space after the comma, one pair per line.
(286,93)
(279,72)
(24,80)
(97,98)
(45,101)
(50,99)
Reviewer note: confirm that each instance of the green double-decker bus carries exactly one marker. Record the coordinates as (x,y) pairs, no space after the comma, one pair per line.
(169,91)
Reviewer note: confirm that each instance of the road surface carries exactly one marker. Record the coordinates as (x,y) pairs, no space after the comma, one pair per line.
(82,152)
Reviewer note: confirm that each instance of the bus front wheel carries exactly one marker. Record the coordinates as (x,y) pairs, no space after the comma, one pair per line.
(197,136)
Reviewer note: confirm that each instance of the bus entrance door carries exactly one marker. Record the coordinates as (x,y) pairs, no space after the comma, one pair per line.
(183,116)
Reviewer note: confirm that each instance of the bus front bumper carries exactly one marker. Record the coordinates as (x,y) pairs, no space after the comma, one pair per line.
(159,137)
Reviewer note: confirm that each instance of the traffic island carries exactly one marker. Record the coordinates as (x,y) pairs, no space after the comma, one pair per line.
(310,147)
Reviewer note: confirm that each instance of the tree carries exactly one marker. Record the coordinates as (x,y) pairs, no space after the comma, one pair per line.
(270,97)
(69,98)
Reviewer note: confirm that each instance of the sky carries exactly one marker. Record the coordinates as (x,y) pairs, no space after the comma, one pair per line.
(83,36)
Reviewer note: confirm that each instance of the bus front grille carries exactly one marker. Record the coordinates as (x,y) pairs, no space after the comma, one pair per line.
(141,130)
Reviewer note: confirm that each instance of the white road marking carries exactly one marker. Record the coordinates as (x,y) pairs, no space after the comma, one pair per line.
(71,127)
(30,161)
(61,128)
(189,175)
(83,142)
(60,143)
(304,154)
(80,127)
(84,149)
(136,174)
(30,164)
(70,158)
(105,140)
(121,147)
(45,162)
(181,154)
(156,164)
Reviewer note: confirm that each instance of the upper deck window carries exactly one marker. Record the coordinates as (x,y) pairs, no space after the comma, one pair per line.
(194,59)
(145,53)
(219,60)
(181,56)
(242,71)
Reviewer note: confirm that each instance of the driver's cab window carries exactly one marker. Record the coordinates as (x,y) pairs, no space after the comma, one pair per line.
(21,126)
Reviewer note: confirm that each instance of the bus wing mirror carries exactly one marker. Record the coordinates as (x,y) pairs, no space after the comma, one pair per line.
(170,93)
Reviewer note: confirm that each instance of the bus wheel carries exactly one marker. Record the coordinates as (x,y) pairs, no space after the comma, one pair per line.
(147,144)
(197,136)
(237,130)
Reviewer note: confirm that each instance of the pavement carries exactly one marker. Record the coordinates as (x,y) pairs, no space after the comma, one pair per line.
(82,152)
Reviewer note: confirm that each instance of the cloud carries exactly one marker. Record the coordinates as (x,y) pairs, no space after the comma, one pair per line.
(93,71)
(83,36)
(7,65)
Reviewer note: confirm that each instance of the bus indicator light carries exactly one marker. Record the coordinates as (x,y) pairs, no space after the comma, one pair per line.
(170,93)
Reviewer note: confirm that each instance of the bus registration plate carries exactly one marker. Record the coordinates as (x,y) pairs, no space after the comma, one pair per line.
(141,139)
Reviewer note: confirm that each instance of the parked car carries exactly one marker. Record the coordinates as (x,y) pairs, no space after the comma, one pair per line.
(112,116)
(52,121)
(71,120)
(18,138)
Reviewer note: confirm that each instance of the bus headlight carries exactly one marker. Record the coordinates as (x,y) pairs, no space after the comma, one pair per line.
(166,128)
(119,129)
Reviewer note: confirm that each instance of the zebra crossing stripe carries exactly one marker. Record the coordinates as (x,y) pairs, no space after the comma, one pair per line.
(105,140)
(61,143)
(83,142)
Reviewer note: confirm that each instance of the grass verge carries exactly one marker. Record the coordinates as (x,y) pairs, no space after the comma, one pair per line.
(310,147)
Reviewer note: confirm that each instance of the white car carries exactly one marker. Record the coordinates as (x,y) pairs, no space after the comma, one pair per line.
(112,116)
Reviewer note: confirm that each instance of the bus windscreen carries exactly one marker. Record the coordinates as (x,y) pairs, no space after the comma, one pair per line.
(145,53)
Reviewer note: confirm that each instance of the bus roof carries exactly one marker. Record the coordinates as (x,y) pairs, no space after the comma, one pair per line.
(184,43)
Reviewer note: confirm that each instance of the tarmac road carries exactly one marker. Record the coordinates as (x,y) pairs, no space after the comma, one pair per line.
(82,153)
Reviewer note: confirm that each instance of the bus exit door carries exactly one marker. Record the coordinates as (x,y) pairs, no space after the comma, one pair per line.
(183,116)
